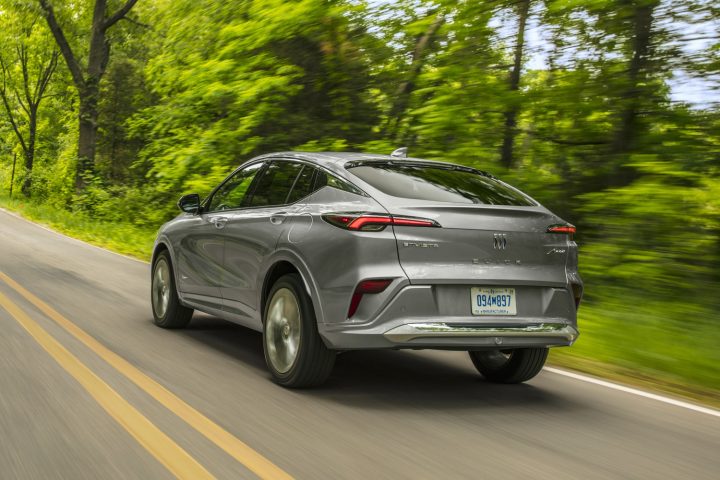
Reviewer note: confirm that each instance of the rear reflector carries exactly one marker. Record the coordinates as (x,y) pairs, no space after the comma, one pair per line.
(577,294)
(366,287)
(562,228)
(368,222)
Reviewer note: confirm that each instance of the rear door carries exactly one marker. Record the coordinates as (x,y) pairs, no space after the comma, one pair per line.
(251,234)
(489,233)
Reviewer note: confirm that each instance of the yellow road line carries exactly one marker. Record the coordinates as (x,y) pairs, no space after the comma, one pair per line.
(233,446)
(162,447)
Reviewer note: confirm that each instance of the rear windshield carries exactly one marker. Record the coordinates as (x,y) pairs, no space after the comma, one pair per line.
(439,183)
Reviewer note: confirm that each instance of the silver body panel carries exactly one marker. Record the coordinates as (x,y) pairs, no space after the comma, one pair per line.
(222,267)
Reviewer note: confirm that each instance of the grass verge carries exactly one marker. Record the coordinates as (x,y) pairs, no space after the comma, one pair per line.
(119,237)
(634,377)
(636,348)
(664,345)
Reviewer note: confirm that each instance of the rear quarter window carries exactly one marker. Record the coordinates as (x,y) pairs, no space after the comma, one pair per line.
(439,183)
(323,179)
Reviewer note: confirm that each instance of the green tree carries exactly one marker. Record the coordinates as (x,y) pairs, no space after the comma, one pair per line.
(270,75)
(27,65)
(87,79)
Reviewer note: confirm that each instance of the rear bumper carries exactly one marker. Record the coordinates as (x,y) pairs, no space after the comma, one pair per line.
(545,334)
(438,316)
(454,337)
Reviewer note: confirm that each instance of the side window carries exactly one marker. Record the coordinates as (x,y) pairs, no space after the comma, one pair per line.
(323,179)
(303,184)
(275,184)
(233,193)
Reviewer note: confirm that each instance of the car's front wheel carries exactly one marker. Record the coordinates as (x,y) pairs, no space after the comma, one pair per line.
(294,351)
(168,312)
(514,365)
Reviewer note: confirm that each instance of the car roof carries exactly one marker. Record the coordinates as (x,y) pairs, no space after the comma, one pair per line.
(340,158)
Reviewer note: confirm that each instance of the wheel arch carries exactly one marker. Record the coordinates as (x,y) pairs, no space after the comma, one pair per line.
(160,246)
(163,244)
(284,264)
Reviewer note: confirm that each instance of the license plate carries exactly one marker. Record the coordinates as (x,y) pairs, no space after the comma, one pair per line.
(493,301)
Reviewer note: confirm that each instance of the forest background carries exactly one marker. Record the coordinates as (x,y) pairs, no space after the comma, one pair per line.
(606,111)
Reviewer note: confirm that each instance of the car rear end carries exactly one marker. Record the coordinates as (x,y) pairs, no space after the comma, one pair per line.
(485,266)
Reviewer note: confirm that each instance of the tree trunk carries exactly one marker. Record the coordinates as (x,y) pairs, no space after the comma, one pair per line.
(87,83)
(627,130)
(12,175)
(87,137)
(402,97)
(30,153)
(506,151)
(89,94)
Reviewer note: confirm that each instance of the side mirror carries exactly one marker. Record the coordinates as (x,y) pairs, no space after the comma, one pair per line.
(189,203)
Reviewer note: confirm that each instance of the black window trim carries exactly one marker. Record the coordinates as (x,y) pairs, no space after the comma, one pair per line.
(312,183)
(259,176)
(266,161)
(253,187)
(319,167)
(208,200)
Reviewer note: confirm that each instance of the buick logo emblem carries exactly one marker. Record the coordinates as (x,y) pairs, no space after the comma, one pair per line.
(500,241)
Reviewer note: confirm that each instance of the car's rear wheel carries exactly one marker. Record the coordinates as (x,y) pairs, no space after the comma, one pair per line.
(515,365)
(294,351)
(168,312)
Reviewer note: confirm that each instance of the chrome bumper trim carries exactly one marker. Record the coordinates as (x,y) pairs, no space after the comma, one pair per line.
(413,331)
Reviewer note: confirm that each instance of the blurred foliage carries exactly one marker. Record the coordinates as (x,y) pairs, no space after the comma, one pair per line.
(572,100)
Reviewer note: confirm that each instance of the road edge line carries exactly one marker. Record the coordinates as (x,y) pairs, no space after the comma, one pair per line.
(635,391)
(52,230)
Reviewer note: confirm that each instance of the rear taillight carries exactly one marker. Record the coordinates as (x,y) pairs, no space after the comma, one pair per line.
(370,222)
(366,287)
(562,228)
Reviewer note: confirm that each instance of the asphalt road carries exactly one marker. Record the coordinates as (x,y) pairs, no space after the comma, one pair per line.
(90,388)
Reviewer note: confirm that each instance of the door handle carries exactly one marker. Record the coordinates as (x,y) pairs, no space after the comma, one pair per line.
(219,222)
(278,218)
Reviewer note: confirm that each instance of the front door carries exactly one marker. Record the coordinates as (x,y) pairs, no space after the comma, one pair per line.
(203,247)
(200,257)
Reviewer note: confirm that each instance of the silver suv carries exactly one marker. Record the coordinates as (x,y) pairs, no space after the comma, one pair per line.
(325,252)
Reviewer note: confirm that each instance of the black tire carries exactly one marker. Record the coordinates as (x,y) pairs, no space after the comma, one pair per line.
(175,315)
(515,365)
(313,361)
